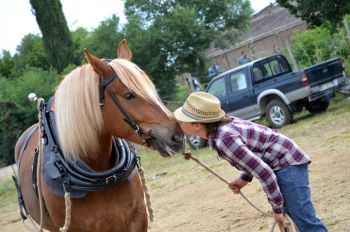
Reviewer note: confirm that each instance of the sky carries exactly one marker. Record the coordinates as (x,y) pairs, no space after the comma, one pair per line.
(17,20)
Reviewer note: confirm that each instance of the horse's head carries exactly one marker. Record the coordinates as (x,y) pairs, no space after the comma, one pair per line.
(129,101)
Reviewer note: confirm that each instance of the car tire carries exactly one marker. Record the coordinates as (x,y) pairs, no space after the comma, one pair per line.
(278,114)
(317,106)
(196,142)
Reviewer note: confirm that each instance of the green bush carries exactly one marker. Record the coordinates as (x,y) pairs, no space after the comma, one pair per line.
(312,46)
(319,44)
(17,113)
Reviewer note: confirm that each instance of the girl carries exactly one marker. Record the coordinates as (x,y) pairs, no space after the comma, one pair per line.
(257,151)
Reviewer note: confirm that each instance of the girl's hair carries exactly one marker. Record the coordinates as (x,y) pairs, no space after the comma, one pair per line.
(213,127)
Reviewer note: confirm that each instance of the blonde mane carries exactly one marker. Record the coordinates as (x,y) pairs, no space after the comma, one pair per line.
(78,113)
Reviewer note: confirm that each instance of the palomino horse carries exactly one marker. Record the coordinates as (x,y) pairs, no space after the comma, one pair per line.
(93,104)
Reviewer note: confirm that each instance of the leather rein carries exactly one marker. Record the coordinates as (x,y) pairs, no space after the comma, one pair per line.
(103,85)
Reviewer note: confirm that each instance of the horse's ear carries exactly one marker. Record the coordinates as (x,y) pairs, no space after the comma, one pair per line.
(98,65)
(124,51)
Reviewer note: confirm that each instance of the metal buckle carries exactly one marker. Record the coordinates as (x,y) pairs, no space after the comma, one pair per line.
(112,179)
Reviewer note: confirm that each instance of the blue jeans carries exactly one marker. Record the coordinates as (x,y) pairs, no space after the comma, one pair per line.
(294,185)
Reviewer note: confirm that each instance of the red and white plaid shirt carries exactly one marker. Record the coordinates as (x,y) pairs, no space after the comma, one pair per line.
(257,151)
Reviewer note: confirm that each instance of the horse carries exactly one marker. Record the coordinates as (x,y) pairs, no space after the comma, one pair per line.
(93,104)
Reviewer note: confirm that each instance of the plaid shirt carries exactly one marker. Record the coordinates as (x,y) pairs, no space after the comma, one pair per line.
(257,151)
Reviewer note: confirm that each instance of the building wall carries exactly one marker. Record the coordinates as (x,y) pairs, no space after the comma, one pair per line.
(267,44)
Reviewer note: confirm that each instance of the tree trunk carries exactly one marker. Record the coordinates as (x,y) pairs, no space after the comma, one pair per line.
(57,39)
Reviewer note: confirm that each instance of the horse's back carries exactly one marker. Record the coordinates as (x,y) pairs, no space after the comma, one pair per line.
(22,139)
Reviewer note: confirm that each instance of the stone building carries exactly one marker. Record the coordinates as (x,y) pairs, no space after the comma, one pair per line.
(271,32)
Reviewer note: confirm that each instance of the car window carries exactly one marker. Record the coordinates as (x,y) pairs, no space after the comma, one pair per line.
(266,70)
(238,81)
(270,68)
(284,64)
(217,88)
(276,68)
(257,73)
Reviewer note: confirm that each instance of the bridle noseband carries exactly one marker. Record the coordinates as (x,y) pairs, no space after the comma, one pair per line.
(103,85)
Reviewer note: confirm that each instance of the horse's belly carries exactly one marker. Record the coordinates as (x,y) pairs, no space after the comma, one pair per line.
(121,208)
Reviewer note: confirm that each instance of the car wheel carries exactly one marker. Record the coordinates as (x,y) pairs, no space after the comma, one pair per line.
(278,114)
(317,106)
(196,142)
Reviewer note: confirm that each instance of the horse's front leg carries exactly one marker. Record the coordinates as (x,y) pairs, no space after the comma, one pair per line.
(139,222)
(139,215)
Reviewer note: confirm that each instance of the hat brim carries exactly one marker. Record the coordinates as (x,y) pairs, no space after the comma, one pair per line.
(180,116)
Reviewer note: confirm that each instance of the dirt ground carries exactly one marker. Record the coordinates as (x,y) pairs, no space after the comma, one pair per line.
(188,199)
(193,200)
(207,205)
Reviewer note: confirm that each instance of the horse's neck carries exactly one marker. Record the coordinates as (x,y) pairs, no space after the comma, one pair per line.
(103,159)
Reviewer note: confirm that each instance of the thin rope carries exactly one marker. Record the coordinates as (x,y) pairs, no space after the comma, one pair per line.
(188,156)
(68,205)
(147,195)
(288,224)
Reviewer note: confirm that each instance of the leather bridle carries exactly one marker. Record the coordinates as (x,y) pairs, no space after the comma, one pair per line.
(103,85)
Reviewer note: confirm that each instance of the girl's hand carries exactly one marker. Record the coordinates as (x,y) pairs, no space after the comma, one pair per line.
(236,185)
(279,219)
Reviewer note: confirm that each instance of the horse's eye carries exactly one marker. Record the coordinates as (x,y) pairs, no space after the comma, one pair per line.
(129,96)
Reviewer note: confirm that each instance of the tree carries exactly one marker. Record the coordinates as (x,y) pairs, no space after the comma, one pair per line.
(56,36)
(31,52)
(80,36)
(16,112)
(7,65)
(104,40)
(171,37)
(316,12)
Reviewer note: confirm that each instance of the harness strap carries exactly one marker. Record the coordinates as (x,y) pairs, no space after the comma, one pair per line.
(22,207)
(145,137)
(27,136)
(34,171)
(103,84)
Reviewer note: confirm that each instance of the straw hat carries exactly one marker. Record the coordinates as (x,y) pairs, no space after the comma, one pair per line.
(200,107)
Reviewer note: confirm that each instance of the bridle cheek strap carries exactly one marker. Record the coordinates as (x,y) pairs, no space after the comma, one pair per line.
(146,138)
(103,85)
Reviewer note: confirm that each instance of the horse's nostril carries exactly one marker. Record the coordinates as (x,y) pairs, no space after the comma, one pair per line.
(177,137)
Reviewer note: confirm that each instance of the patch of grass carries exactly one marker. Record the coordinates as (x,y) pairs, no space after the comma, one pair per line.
(8,194)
